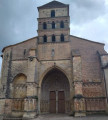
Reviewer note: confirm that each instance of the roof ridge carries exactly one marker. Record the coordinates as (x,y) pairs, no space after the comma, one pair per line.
(53,4)
(86,39)
(18,43)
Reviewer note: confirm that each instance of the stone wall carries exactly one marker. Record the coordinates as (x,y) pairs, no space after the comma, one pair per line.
(45,57)
(61,14)
(2,103)
(43,13)
(65,19)
(54,51)
(57,34)
(21,50)
(91,67)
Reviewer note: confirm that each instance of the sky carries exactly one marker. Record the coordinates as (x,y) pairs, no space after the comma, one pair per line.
(18,20)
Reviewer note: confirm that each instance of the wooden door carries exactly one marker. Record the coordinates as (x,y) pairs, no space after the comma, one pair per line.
(52,102)
(61,102)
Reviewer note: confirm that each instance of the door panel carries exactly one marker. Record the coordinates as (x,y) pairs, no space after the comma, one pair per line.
(52,102)
(61,102)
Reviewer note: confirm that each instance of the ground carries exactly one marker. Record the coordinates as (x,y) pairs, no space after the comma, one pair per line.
(66,117)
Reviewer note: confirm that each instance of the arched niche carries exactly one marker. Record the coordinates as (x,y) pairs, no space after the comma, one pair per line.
(19,92)
(20,79)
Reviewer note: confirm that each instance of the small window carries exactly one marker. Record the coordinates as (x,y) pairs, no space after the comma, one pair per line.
(52,13)
(62,38)
(61,24)
(24,51)
(52,53)
(53,25)
(44,38)
(53,38)
(44,25)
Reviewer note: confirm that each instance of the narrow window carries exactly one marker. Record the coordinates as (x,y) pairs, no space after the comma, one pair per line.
(52,53)
(53,25)
(44,38)
(61,24)
(44,25)
(62,38)
(53,38)
(24,51)
(52,13)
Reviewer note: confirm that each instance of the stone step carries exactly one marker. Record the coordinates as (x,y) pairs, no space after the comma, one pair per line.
(13,119)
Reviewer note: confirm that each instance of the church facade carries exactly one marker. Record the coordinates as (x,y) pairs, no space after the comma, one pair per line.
(54,72)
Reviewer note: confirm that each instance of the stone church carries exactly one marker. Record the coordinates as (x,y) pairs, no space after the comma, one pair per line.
(54,72)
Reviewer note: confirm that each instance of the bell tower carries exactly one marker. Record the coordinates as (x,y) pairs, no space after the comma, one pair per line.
(53,22)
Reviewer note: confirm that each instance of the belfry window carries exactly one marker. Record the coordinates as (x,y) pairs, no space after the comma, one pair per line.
(52,13)
(44,25)
(53,25)
(44,38)
(53,38)
(61,24)
(62,38)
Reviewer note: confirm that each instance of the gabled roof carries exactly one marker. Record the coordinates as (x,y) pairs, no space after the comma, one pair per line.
(18,43)
(37,36)
(87,40)
(53,4)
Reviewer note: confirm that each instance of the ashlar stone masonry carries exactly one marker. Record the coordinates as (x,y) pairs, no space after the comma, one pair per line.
(54,72)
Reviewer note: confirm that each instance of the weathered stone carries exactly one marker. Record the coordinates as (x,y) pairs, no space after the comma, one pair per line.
(65,73)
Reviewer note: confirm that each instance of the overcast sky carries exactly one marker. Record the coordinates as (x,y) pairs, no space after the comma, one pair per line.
(18,20)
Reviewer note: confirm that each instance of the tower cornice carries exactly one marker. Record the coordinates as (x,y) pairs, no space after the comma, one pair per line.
(47,18)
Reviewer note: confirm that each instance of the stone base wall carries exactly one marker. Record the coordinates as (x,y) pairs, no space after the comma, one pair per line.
(5,107)
(2,109)
(95,105)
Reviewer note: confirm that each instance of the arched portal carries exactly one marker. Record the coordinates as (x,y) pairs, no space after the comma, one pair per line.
(55,93)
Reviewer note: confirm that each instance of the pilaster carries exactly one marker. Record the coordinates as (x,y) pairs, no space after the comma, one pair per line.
(104,64)
(31,100)
(79,101)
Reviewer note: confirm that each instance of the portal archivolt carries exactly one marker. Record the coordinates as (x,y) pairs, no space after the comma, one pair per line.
(55,93)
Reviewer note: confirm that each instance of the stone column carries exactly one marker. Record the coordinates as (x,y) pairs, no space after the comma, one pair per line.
(31,101)
(79,101)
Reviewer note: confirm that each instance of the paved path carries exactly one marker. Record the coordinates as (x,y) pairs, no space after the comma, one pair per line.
(66,117)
